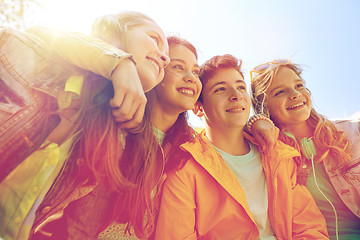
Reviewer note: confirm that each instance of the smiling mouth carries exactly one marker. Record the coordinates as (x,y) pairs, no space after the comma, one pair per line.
(296,106)
(234,110)
(186,91)
(155,64)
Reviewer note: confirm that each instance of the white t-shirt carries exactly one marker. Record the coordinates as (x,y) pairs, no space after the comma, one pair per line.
(160,135)
(249,171)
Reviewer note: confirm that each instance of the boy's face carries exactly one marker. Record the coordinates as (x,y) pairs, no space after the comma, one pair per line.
(226,103)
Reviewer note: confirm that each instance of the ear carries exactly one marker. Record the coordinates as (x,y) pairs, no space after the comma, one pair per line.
(198,109)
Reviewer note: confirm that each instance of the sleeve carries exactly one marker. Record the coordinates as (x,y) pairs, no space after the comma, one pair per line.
(83,218)
(81,50)
(307,220)
(176,217)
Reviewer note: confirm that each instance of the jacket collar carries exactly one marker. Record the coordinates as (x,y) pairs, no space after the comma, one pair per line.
(205,154)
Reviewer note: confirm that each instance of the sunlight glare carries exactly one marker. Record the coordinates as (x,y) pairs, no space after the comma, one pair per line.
(70,15)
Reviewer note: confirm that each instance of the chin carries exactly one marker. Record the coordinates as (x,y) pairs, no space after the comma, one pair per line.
(148,88)
(186,108)
(149,84)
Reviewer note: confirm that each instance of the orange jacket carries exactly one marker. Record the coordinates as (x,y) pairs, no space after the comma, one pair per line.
(204,200)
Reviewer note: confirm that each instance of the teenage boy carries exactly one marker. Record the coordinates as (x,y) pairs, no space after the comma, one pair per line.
(227,189)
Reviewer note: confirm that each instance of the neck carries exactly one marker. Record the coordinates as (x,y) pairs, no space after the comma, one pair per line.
(300,130)
(163,120)
(231,141)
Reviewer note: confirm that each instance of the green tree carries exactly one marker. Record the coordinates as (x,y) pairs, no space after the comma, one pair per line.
(19,14)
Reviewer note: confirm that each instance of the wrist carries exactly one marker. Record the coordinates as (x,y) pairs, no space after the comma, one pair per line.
(255,118)
(127,64)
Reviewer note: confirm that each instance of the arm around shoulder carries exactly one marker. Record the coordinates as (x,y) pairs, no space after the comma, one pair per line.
(81,50)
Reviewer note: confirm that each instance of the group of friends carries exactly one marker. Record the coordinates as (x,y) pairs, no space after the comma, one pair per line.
(111,154)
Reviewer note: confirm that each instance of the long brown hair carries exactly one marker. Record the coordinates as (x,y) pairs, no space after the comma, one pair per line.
(124,162)
(129,167)
(134,169)
(181,131)
(327,138)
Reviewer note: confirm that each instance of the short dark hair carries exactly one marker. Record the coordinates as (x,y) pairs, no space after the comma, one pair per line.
(211,67)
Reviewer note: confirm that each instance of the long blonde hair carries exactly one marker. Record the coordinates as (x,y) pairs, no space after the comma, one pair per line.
(111,28)
(327,138)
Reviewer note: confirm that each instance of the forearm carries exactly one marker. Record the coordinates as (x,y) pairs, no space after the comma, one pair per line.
(81,50)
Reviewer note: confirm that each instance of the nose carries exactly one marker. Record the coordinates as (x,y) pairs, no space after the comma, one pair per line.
(165,60)
(235,95)
(295,94)
(190,77)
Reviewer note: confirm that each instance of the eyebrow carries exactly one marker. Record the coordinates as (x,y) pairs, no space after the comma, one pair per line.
(222,82)
(180,60)
(159,36)
(281,86)
(272,90)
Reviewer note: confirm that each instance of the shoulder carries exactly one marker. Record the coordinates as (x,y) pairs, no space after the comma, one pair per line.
(351,128)
(284,151)
(190,169)
(282,156)
(349,125)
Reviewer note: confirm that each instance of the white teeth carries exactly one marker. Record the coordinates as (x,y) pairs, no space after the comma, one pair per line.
(235,110)
(186,91)
(155,64)
(297,105)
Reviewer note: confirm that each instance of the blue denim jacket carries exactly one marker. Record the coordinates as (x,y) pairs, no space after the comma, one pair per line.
(29,82)
(346,179)
(32,76)
(34,67)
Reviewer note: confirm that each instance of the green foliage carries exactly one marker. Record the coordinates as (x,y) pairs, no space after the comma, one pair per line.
(19,14)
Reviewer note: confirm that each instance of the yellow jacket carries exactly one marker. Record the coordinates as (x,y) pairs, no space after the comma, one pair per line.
(204,200)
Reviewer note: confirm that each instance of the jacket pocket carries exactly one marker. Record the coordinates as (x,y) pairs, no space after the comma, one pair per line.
(351,172)
(10,102)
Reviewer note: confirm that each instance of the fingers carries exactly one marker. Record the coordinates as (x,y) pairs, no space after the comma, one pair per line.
(117,100)
(270,137)
(129,98)
(129,110)
(261,141)
(136,120)
(126,110)
(266,139)
(266,134)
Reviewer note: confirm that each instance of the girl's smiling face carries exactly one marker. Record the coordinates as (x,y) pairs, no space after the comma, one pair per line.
(148,45)
(287,98)
(181,86)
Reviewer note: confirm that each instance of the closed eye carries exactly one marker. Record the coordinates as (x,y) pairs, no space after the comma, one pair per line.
(219,89)
(279,92)
(177,66)
(242,88)
(196,73)
(156,39)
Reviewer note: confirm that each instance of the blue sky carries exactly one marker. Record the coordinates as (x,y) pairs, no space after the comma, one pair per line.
(322,35)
